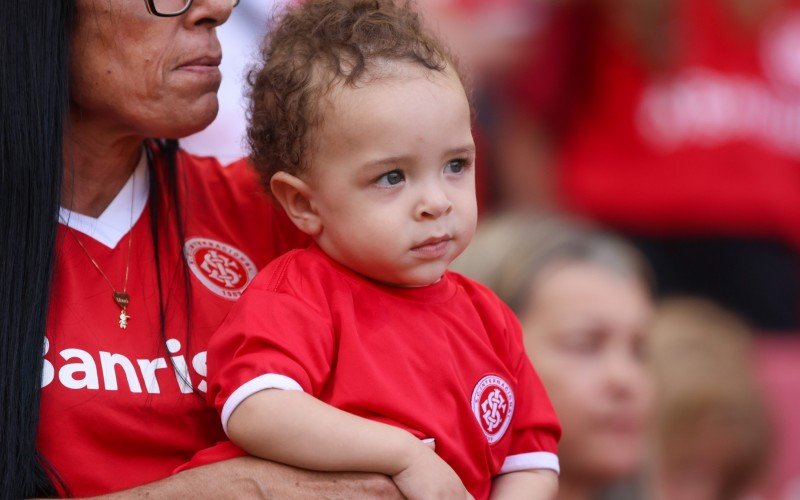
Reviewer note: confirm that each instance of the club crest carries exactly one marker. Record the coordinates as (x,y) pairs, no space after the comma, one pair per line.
(493,406)
(223,269)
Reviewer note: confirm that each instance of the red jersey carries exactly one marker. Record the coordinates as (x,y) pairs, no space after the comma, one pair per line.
(118,407)
(708,145)
(444,361)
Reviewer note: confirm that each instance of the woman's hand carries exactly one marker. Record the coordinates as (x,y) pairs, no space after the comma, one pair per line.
(429,477)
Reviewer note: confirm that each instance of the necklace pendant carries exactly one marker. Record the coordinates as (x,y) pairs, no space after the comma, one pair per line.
(122,299)
(123,319)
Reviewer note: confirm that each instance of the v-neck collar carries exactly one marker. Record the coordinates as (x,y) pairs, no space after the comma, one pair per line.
(117,219)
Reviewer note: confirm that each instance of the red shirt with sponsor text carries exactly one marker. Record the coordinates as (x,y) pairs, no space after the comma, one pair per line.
(115,413)
(444,361)
(709,144)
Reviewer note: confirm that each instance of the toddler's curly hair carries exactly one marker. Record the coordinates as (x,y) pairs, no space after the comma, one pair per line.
(315,45)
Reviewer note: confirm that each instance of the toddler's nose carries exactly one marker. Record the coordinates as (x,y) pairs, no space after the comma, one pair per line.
(434,203)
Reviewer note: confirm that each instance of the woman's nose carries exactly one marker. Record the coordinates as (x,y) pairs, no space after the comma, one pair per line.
(209,12)
(626,375)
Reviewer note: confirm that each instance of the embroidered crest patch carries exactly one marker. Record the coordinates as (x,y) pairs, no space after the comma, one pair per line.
(223,269)
(493,406)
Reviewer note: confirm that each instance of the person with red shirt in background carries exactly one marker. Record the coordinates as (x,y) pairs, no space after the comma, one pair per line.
(122,254)
(677,122)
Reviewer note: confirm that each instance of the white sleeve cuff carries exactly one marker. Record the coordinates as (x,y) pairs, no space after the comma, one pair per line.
(528,461)
(260,383)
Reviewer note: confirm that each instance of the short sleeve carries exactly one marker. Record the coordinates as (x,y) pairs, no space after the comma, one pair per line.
(535,429)
(270,340)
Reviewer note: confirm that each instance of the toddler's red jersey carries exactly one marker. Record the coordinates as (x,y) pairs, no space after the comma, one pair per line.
(118,407)
(444,361)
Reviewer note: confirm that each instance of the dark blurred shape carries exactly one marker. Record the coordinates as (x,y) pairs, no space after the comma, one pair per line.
(757,278)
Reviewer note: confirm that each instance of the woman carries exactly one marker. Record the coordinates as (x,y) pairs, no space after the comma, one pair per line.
(584,303)
(101,285)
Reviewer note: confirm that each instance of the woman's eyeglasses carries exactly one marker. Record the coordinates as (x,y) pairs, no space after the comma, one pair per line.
(172,8)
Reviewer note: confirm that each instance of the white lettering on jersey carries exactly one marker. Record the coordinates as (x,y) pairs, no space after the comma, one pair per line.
(199,365)
(181,369)
(84,373)
(149,368)
(48,372)
(109,362)
(87,366)
(706,108)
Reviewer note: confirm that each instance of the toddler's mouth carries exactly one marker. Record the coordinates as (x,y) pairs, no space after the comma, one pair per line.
(433,248)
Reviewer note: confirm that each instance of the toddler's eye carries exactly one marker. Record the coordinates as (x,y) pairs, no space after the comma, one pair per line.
(455,166)
(391,178)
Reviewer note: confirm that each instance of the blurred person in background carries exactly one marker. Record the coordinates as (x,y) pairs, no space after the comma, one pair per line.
(676,122)
(711,436)
(583,298)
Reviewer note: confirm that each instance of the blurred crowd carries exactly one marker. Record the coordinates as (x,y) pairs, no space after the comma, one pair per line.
(639,184)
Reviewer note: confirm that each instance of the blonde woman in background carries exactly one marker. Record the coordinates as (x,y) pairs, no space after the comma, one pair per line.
(584,301)
(711,435)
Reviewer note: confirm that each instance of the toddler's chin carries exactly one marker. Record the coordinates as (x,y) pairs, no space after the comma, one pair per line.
(423,283)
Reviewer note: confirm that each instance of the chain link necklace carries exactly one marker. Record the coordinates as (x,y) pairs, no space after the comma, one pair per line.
(121,298)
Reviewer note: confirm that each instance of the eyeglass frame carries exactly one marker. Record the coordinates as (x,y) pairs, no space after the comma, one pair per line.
(151,8)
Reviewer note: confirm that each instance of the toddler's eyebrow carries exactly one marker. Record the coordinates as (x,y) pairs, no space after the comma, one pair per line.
(467,149)
(393,161)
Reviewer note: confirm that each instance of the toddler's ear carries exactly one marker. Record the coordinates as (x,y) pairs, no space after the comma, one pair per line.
(294,195)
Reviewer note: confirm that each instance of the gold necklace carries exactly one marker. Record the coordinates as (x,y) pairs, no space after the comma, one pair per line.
(122,298)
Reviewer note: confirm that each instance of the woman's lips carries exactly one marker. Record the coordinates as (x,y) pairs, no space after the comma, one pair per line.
(205,66)
(433,248)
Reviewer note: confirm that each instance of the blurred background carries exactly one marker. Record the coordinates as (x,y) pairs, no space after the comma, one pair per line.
(673,127)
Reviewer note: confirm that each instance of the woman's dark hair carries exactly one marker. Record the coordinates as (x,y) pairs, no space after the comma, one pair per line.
(34,111)
(34,48)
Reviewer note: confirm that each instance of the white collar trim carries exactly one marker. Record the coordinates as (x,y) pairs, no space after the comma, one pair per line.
(117,220)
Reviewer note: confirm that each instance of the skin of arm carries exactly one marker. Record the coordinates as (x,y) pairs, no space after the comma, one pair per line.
(250,477)
(295,428)
(539,484)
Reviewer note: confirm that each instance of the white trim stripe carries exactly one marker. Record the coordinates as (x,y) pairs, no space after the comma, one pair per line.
(115,221)
(527,461)
(258,384)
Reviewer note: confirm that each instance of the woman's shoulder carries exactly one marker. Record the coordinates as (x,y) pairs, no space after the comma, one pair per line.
(227,203)
(237,181)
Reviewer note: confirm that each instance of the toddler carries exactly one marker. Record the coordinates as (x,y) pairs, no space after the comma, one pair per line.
(362,352)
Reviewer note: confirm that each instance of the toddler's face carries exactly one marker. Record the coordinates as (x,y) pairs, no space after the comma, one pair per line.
(392,175)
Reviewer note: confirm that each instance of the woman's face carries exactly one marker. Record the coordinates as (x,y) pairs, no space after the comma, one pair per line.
(138,74)
(584,331)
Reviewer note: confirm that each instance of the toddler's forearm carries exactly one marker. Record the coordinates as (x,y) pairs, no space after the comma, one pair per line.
(296,429)
(539,484)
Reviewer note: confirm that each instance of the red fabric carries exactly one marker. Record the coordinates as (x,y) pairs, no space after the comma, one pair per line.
(410,357)
(778,368)
(106,426)
(710,144)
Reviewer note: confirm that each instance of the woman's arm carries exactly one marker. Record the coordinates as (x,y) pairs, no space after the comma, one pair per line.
(250,477)
(295,428)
